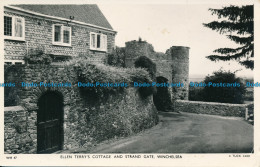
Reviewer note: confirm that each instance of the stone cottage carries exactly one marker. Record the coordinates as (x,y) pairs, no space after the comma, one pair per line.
(62,31)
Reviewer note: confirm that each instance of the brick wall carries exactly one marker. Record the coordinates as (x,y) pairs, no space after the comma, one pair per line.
(38,33)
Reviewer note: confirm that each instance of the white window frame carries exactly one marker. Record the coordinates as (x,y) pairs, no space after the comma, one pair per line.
(14,61)
(13,29)
(103,43)
(61,43)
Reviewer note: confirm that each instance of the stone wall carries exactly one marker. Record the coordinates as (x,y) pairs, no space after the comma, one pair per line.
(38,33)
(172,65)
(20,133)
(135,49)
(212,108)
(85,123)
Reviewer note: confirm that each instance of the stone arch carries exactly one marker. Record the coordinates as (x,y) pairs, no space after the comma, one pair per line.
(43,90)
(50,120)
(162,98)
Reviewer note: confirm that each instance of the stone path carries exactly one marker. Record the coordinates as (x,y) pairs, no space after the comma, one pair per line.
(185,133)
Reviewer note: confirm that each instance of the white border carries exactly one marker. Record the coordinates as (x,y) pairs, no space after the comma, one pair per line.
(197,160)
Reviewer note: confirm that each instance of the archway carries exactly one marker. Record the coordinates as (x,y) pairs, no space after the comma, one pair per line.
(162,98)
(50,123)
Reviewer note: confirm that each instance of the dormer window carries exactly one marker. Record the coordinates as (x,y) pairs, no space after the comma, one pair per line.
(61,35)
(14,28)
(98,42)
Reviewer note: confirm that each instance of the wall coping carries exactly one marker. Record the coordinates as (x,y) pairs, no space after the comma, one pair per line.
(13,108)
(214,103)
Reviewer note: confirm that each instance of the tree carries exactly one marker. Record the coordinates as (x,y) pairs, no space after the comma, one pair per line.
(239,21)
(227,89)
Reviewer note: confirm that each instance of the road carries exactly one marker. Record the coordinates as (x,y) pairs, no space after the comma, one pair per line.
(185,133)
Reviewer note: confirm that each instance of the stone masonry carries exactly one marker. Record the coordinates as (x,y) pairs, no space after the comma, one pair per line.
(84,125)
(173,65)
(38,34)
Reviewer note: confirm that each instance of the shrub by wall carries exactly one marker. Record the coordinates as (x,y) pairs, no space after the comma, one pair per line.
(89,72)
(148,64)
(37,56)
(117,57)
(226,94)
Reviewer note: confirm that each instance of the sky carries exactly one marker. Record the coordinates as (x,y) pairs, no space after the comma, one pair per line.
(166,25)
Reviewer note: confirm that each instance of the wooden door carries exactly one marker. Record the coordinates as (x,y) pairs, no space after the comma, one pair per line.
(50,123)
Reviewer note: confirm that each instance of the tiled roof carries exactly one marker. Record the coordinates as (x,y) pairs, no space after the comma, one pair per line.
(90,13)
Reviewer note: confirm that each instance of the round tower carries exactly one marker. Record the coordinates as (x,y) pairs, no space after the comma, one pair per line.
(135,49)
(180,71)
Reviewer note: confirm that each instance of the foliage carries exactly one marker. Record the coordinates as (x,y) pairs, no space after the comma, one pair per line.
(117,57)
(196,94)
(118,118)
(37,56)
(233,94)
(90,72)
(240,21)
(148,64)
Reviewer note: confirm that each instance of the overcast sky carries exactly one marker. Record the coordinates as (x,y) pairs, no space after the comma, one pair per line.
(169,25)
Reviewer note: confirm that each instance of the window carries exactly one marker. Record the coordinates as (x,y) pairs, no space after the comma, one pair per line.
(98,41)
(9,62)
(61,35)
(14,28)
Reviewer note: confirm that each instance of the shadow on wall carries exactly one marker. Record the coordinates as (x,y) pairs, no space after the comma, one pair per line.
(162,97)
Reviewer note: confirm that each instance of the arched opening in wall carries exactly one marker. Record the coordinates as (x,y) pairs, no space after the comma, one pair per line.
(50,122)
(162,98)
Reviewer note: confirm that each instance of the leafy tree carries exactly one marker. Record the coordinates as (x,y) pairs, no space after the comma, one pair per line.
(224,94)
(239,21)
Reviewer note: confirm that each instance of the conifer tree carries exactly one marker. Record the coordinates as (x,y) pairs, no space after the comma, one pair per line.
(237,23)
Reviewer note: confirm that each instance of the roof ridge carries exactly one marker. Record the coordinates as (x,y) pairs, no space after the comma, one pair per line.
(86,13)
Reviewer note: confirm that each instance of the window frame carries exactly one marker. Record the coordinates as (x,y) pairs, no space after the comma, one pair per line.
(103,44)
(61,43)
(13,29)
(14,61)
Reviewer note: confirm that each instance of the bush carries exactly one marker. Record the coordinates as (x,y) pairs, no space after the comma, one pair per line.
(37,56)
(224,94)
(148,64)
(196,94)
(117,57)
(89,72)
